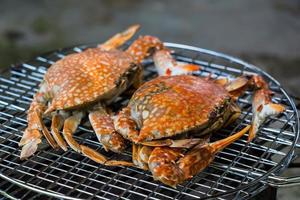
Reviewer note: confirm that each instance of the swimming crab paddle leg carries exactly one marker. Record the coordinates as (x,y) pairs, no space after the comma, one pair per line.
(237,84)
(166,65)
(172,167)
(235,87)
(120,38)
(33,133)
(103,126)
(222,81)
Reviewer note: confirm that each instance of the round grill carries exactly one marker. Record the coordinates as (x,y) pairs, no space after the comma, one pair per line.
(239,171)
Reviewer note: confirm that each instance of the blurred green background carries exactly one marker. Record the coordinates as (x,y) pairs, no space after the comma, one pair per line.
(265,33)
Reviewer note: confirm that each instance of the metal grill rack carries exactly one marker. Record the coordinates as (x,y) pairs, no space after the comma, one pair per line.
(239,171)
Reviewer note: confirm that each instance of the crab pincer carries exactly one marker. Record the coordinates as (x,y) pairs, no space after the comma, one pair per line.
(172,166)
(262,106)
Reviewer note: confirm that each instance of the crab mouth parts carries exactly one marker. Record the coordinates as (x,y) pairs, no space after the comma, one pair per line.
(216,119)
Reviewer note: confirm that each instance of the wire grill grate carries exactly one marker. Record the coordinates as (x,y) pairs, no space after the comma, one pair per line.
(68,174)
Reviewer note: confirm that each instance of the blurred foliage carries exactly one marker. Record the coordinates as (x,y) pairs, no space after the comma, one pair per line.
(41,25)
(290,6)
(13,52)
(9,50)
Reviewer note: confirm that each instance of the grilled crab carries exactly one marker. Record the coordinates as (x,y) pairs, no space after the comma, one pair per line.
(82,83)
(162,111)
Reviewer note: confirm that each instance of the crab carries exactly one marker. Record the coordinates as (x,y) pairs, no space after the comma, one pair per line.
(166,117)
(82,83)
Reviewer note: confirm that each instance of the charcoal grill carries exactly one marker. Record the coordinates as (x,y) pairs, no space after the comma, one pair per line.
(239,172)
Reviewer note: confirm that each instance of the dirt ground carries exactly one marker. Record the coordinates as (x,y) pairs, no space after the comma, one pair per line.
(265,33)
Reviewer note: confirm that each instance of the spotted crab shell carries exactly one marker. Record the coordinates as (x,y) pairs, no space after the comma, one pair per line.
(169,105)
(85,77)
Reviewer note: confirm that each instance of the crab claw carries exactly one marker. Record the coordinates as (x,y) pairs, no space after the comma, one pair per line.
(166,65)
(172,167)
(262,107)
(120,38)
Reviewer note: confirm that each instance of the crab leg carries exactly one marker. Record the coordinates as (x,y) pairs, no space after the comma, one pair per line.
(70,127)
(99,158)
(140,155)
(171,167)
(166,65)
(183,143)
(238,84)
(120,38)
(135,153)
(118,163)
(235,113)
(45,131)
(32,135)
(56,125)
(105,131)
(235,87)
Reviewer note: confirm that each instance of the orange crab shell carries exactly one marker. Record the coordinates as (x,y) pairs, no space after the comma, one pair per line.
(85,77)
(169,105)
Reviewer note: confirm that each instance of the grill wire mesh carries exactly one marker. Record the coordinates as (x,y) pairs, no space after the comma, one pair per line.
(68,174)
